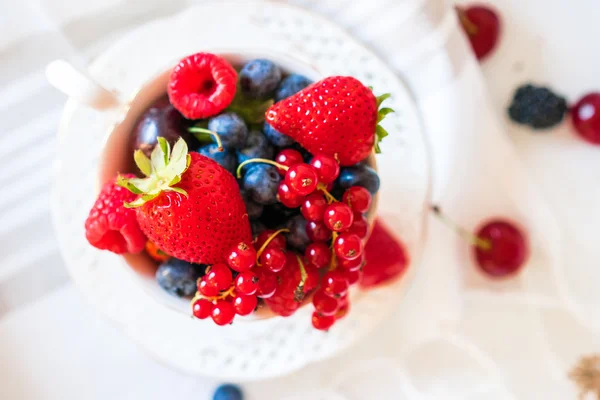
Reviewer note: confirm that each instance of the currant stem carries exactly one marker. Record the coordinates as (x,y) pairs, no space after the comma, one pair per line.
(299,293)
(323,188)
(470,27)
(333,263)
(195,129)
(259,160)
(266,243)
(475,240)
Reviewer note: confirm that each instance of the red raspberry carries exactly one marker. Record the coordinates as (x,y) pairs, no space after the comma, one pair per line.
(202,85)
(111,226)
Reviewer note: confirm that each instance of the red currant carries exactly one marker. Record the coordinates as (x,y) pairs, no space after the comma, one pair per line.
(317,254)
(343,311)
(360,226)
(289,197)
(223,312)
(321,322)
(353,265)
(246,283)
(312,277)
(586,117)
(317,232)
(202,308)
(244,304)
(273,259)
(338,217)
(335,283)
(324,304)
(242,257)
(327,168)
(348,246)
(482,26)
(302,179)
(507,250)
(277,242)
(313,207)
(288,157)
(358,198)
(219,276)
(353,276)
(267,283)
(206,288)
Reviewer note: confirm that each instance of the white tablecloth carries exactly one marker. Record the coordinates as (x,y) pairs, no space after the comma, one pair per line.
(52,344)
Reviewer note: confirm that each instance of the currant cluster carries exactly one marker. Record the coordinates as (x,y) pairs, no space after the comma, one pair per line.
(334,257)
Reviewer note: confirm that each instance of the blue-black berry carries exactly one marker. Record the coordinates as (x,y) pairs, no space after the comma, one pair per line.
(537,107)
(228,392)
(179,277)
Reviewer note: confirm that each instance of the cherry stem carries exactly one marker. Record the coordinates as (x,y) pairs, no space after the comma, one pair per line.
(323,188)
(299,292)
(259,160)
(196,129)
(475,240)
(469,26)
(266,243)
(333,263)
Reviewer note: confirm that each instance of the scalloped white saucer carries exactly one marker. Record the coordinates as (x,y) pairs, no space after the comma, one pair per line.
(259,349)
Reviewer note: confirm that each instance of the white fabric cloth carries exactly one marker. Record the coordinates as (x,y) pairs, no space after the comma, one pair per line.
(457,335)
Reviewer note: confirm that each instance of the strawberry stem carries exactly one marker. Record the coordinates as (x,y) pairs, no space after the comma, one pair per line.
(196,129)
(475,240)
(259,160)
(266,243)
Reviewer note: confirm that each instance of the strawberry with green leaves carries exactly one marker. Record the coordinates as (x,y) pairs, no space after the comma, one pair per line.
(337,116)
(188,205)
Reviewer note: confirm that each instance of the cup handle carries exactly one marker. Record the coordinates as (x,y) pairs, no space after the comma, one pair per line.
(80,85)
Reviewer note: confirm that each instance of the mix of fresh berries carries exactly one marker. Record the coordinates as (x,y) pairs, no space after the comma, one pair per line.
(500,247)
(482,26)
(271,207)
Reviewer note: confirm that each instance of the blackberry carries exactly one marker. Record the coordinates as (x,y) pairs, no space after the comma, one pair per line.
(537,107)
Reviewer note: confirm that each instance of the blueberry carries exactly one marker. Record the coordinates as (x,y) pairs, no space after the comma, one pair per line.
(225,158)
(253,209)
(257,227)
(277,214)
(359,175)
(257,146)
(161,119)
(276,137)
(290,86)
(231,128)
(259,78)
(297,237)
(537,107)
(228,392)
(261,181)
(179,277)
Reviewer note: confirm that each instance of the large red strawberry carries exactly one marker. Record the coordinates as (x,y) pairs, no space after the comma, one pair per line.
(337,116)
(111,226)
(188,205)
(386,258)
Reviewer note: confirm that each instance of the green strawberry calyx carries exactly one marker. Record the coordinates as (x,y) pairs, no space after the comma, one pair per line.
(380,132)
(163,170)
